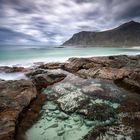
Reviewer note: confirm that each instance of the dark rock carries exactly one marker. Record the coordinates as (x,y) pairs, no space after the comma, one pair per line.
(14,96)
(36,72)
(131,82)
(7,69)
(52,66)
(100,112)
(43,80)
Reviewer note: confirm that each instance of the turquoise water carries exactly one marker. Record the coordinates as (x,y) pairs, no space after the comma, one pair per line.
(23,55)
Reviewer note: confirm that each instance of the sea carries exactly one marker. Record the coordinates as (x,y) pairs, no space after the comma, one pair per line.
(30,55)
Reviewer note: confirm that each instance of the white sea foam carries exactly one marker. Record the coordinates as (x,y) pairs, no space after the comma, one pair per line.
(12,76)
(29,57)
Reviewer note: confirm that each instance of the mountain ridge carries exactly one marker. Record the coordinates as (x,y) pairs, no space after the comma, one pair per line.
(127,34)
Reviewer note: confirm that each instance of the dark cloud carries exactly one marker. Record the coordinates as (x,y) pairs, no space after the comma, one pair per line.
(54,21)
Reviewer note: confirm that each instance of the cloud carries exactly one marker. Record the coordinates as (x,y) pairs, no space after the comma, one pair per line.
(54,21)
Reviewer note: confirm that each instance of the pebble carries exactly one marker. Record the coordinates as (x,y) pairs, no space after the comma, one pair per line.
(51,107)
(76,119)
(56,111)
(61,132)
(48,118)
(89,123)
(49,114)
(63,116)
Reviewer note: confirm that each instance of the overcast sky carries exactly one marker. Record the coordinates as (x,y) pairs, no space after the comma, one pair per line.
(54,21)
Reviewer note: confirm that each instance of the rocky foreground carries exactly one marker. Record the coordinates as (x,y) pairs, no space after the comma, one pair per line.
(104,91)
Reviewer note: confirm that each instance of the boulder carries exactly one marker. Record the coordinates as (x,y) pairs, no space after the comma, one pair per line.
(72,101)
(46,78)
(92,89)
(75,64)
(52,66)
(131,82)
(14,97)
(7,69)
(105,73)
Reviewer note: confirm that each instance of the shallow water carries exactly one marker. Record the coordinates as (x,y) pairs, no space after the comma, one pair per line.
(56,124)
(26,56)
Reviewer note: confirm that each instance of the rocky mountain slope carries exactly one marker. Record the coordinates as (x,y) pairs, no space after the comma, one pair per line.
(127,34)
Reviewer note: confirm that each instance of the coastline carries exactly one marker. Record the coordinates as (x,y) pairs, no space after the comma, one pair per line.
(113,68)
(16,57)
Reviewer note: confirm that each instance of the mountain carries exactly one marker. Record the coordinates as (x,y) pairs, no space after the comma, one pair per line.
(127,34)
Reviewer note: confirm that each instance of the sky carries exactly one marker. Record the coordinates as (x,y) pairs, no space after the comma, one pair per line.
(52,22)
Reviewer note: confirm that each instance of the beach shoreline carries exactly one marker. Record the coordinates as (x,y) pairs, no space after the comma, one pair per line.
(122,70)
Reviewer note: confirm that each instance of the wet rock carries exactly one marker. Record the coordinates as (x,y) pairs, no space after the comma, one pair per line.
(56,111)
(75,64)
(61,132)
(7,69)
(51,107)
(131,82)
(60,90)
(117,62)
(52,126)
(89,123)
(72,101)
(111,132)
(14,96)
(35,72)
(48,78)
(91,89)
(52,66)
(99,112)
(63,88)
(105,73)
(63,116)
(52,96)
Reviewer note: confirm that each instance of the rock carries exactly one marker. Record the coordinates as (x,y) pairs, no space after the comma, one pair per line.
(72,101)
(52,126)
(91,89)
(113,73)
(7,69)
(61,132)
(89,123)
(75,64)
(52,96)
(88,73)
(48,78)
(14,96)
(105,73)
(131,82)
(63,88)
(49,118)
(63,116)
(51,107)
(56,111)
(117,132)
(69,86)
(100,112)
(60,89)
(35,72)
(76,119)
(50,114)
(52,66)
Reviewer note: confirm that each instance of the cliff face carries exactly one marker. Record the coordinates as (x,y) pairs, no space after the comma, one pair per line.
(127,34)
